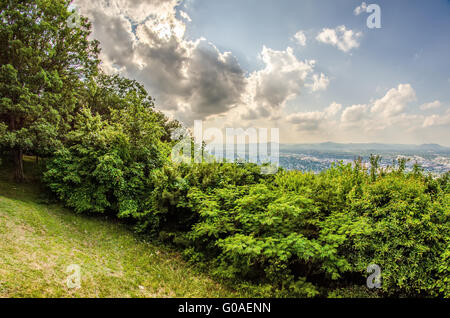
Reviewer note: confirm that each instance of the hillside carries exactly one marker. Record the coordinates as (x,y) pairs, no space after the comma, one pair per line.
(39,241)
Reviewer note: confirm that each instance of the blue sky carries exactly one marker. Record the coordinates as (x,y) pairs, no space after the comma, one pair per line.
(237,62)
(412,46)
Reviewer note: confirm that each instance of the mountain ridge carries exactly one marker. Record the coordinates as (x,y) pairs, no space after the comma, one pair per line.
(363,146)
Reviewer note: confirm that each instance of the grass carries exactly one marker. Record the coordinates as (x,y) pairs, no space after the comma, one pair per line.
(39,241)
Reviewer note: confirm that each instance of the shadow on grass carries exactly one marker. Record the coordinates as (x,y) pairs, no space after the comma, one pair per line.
(32,190)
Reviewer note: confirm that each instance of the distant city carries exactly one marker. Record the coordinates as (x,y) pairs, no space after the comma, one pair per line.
(432,158)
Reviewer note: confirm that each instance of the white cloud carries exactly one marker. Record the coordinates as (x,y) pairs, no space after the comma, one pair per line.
(135,10)
(437,120)
(395,101)
(282,79)
(386,119)
(190,79)
(185,16)
(354,114)
(193,79)
(360,9)
(300,38)
(314,121)
(307,121)
(333,109)
(386,112)
(340,37)
(432,105)
(320,83)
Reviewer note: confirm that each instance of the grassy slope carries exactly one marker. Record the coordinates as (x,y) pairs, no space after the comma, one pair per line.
(38,242)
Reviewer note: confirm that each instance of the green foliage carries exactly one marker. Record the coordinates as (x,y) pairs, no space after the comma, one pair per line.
(301,234)
(42,64)
(106,166)
(289,234)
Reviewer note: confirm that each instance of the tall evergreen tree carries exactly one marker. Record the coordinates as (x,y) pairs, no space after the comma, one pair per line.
(43,63)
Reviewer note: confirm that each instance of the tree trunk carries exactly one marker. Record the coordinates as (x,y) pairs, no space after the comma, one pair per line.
(17,155)
(18,165)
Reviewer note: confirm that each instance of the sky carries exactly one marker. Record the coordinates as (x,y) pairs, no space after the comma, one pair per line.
(314,69)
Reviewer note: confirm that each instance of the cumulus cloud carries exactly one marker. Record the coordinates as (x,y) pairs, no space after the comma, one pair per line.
(437,120)
(300,38)
(314,121)
(145,40)
(320,83)
(380,119)
(340,37)
(282,79)
(185,16)
(385,119)
(387,111)
(432,105)
(192,79)
(354,114)
(307,120)
(333,109)
(136,11)
(395,101)
(360,9)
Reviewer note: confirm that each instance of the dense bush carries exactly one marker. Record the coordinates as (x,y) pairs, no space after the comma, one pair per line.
(289,234)
(304,234)
(107,167)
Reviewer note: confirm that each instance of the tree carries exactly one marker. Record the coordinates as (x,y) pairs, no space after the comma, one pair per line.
(43,63)
(108,93)
(117,143)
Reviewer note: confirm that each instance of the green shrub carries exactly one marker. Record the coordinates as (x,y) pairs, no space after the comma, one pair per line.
(304,234)
(396,224)
(103,168)
(292,234)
